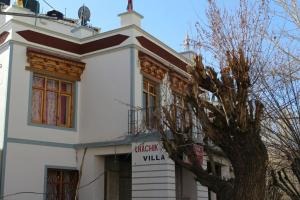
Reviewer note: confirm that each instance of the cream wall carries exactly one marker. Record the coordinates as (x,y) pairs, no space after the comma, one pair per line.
(25,168)
(105,96)
(4,68)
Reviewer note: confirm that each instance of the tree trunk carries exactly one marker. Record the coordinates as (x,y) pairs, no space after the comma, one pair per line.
(250,171)
(250,183)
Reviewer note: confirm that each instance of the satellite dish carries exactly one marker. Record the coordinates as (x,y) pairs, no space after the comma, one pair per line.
(84,14)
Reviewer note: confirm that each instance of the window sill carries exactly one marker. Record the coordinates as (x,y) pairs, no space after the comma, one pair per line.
(73,129)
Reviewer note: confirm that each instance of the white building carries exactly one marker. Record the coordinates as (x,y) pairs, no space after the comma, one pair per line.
(65,100)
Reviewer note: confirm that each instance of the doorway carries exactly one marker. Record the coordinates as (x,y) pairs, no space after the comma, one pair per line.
(118,179)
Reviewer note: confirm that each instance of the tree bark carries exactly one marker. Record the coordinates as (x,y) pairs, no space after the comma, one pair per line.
(250,168)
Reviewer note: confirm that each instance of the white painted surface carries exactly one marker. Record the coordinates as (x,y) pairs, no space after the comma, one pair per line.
(93,167)
(130,18)
(25,168)
(4,65)
(153,173)
(105,97)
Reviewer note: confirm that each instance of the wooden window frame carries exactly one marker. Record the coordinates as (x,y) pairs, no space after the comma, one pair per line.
(148,92)
(59,93)
(148,110)
(61,182)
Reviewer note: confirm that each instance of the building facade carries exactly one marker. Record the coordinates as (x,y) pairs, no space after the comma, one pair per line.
(75,106)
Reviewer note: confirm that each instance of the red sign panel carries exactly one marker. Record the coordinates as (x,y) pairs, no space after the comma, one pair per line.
(199,151)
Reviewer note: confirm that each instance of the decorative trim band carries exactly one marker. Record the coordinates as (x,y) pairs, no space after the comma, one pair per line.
(152,67)
(40,143)
(178,83)
(59,67)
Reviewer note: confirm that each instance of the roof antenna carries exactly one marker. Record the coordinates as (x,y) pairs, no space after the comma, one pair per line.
(130,6)
(187,43)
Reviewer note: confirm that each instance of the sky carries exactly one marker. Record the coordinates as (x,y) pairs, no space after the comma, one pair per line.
(168,20)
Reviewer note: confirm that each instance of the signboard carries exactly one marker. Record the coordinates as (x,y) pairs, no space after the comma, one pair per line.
(199,151)
(148,153)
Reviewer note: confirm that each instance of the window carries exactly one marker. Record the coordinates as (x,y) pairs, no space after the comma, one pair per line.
(61,184)
(178,104)
(52,101)
(149,102)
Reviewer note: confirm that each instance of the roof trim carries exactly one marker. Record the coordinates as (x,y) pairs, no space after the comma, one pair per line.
(156,49)
(72,47)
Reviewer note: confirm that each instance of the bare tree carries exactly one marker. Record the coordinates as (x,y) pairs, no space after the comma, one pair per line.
(282,124)
(286,37)
(280,88)
(234,44)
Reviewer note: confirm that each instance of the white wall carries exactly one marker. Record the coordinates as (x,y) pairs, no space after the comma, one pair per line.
(4,65)
(105,95)
(25,168)
(20,105)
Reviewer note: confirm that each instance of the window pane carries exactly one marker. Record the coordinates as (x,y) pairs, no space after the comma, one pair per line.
(152,102)
(66,87)
(61,184)
(53,184)
(69,185)
(52,85)
(65,106)
(36,107)
(51,105)
(38,82)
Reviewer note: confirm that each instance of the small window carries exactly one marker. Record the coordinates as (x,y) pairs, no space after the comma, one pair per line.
(61,184)
(52,101)
(150,101)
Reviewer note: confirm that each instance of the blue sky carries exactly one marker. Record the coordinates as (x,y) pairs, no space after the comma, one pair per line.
(168,20)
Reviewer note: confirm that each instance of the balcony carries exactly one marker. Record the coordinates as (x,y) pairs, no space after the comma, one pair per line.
(141,121)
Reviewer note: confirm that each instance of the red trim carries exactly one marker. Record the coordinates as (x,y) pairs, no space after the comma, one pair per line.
(54,42)
(151,46)
(3,36)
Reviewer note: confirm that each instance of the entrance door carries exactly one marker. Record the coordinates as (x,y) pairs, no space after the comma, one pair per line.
(118,179)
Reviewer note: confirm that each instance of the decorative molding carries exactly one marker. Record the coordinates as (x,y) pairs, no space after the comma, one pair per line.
(53,65)
(178,83)
(152,67)
(3,36)
(161,52)
(65,45)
